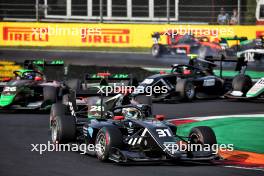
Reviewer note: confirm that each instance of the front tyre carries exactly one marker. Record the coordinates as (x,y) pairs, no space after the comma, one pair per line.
(106,139)
(202,135)
(63,128)
(156,50)
(242,83)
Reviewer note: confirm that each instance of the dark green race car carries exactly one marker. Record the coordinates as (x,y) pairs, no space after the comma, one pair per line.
(29,89)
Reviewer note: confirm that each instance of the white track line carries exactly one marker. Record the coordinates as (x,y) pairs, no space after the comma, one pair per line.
(220,117)
(247,168)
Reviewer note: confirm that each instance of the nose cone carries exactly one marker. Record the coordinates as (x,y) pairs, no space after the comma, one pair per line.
(6,100)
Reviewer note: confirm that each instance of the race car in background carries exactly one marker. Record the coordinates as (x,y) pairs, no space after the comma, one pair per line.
(30,88)
(242,47)
(184,44)
(127,133)
(242,85)
(185,82)
(94,85)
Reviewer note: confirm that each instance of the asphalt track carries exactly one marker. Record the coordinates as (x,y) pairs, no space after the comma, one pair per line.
(18,131)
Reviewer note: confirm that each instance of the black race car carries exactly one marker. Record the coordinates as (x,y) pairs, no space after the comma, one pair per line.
(244,48)
(30,88)
(185,82)
(127,131)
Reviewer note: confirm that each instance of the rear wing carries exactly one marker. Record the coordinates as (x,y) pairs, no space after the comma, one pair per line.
(224,41)
(32,64)
(108,76)
(52,69)
(93,81)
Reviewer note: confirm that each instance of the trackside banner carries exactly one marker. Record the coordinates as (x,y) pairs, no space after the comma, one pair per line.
(108,35)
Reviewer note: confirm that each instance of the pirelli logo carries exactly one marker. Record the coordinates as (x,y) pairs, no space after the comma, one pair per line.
(25,34)
(111,36)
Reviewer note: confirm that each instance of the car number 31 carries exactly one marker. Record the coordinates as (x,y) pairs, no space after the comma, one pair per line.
(163,132)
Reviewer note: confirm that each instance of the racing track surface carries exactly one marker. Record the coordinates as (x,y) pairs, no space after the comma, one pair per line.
(102,58)
(18,131)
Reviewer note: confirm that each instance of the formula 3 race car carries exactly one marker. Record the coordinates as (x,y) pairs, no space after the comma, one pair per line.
(185,44)
(242,85)
(185,82)
(127,133)
(243,47)
(30,89)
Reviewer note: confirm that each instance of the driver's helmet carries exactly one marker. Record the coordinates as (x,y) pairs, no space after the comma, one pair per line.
(38,78)
(131,113)
(186,71)
(29,75)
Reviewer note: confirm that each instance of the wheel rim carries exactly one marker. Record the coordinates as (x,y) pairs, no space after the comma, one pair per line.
(189,91)
(154,50)
(54,131)
(102,142)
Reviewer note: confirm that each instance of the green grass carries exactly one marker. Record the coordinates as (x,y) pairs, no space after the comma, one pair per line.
(246,133)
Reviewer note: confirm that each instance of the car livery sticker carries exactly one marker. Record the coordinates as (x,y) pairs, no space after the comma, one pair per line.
(257,89)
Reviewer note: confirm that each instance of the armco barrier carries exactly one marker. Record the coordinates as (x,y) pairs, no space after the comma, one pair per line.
(106,35)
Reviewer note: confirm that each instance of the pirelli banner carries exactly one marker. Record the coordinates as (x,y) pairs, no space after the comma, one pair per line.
(108,35)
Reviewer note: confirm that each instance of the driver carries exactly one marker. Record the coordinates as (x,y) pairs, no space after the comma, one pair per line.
(131,113)
(29,75)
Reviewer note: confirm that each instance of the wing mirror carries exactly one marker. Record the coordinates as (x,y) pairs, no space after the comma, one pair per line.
(159,117)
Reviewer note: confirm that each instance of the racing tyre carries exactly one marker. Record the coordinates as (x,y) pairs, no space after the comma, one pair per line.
(74,84)
(185,89)
(156,50)
(242,83)
(202,135)
(63,128)
(106,139)
(50,94)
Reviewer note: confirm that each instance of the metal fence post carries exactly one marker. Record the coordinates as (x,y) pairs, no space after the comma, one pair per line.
(101,11)
(238,11)
(168,11)
(37,10)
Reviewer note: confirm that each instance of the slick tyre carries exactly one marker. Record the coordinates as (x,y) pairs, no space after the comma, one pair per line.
(185,89)
(242,83)
(106,139)
(202,135)
(63,128)
(156,50)
(50,94)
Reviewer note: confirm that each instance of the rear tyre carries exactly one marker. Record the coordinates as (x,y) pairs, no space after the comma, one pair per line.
(50,94)
(242,83)
(106,139)
(185,89)
(63,128)
(156,50)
